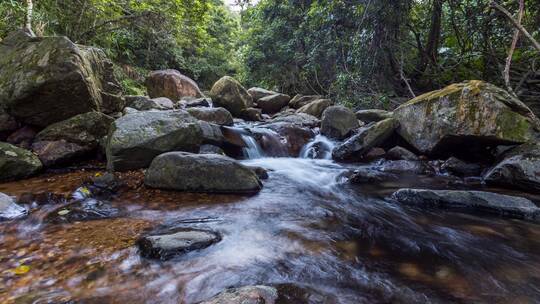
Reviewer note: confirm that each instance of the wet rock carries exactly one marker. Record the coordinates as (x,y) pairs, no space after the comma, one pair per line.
(338,122)
(231,95)
(17,163)
(59,152)
(294,136)
(9,210)
(166,246)
(370,175)
(135,139)
(405,167)
(219,116)
(519,168)
(190,102)
(245,295)
(273,103)
(463,117)
(128,110)
(400,153)
(458,167)
(143,103)
(299,119)
(251,114)
(373,115)
(477,201)
(23,137)
(374,153)
(171,84)
(233,137)
(261,172)
(211,134)
(368,137)
(211,149)
(44,80)
(299,101)
(85,210)
(200,173)
(106,182)
(316,107)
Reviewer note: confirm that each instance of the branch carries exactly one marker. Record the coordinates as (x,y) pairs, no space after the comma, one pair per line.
(513,47)
(517,24)
(107,22)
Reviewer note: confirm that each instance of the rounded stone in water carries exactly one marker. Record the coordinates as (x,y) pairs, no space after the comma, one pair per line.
(166,246)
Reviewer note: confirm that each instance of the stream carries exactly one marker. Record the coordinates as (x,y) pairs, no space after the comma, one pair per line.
(309,233)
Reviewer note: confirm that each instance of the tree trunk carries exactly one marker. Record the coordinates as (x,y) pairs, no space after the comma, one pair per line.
(434,38)
(28,19)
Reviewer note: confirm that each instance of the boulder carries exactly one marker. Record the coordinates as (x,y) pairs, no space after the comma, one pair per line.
(8,124)
(400,153)
(9,210)
(373,115)
(461,168)
(251,114)
(368,137)
(218,116)
(135,139)
(245,295)
(231,95)
(60,152)
(171,84)
(169,245)
(299,119)
(316,107)
(338,122)
(273,103)
(405,167)
(143,103)
(44,80)
(474,201)
(258,93)
(294,136)
(211,149)
(17,163)
(519,168)
(189,102)
(23,137)
(210,173)
(299,101)
(465,116)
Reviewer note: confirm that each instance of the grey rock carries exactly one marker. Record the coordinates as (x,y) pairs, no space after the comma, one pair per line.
(245,295)
(211,149)
(189,102)
(400,153)
(9,210)
(338,122)
(458,167)
(219,116)
(316,107)
(143,103)
(60,152)
(166,246)
(373,115)
(17,163)
(273,103)
(299,101)
(258,93)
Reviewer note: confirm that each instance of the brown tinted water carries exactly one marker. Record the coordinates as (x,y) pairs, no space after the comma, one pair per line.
(315,238)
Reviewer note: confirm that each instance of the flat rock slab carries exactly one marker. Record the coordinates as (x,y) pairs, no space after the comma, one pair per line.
(166,246)
(246,295)
(474,201)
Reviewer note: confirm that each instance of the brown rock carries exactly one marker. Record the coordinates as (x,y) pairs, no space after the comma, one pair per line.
(171,84)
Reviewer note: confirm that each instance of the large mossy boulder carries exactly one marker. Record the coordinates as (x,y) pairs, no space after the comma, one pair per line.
(519,168)
(135,139)
(44,80)
(209,173)
(463,116)
(338,122)
(171,84)
(368,137)
(17,163)
(228,93)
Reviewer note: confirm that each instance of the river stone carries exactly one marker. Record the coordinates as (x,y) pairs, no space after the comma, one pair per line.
(9,210)
(211,149)
(519,168)
(373,115)
(316,107)
(299,101)
(23,137)
(368,137)
(189,102)
(245,295)
(299,119)
(370,175)
(171,84)
(273,103)
(338,122)
(251,114)
(461,168)
(60,152)
(210,173)
(478,201)
(143,103)
(135,139)
(258,93)
(400,153)
(218,116)
(84,129)
(463,116)
(228,93)
(17,163)
(166,246)
(44,80)
(294,136)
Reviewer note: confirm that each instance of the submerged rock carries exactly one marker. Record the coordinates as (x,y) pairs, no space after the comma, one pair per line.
(135,139)
(316,107)
(245,295)
(212,173)
(44,80)
(465,116)
(171,84)
(86,210)
(400,153)
(368,137)
(373,115)
(166,246)
(338,122)
(17,163)
(231,95)
(219,116)
(273,103)
(299,101)
(477,201)
(9,210)
(519,168)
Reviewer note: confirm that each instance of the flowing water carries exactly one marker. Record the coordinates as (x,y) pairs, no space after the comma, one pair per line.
(308,233)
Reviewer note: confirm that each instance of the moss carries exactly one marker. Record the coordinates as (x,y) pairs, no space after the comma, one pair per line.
(514,127)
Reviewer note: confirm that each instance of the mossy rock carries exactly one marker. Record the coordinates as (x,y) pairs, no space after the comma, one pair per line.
(228,93)
(17,163)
